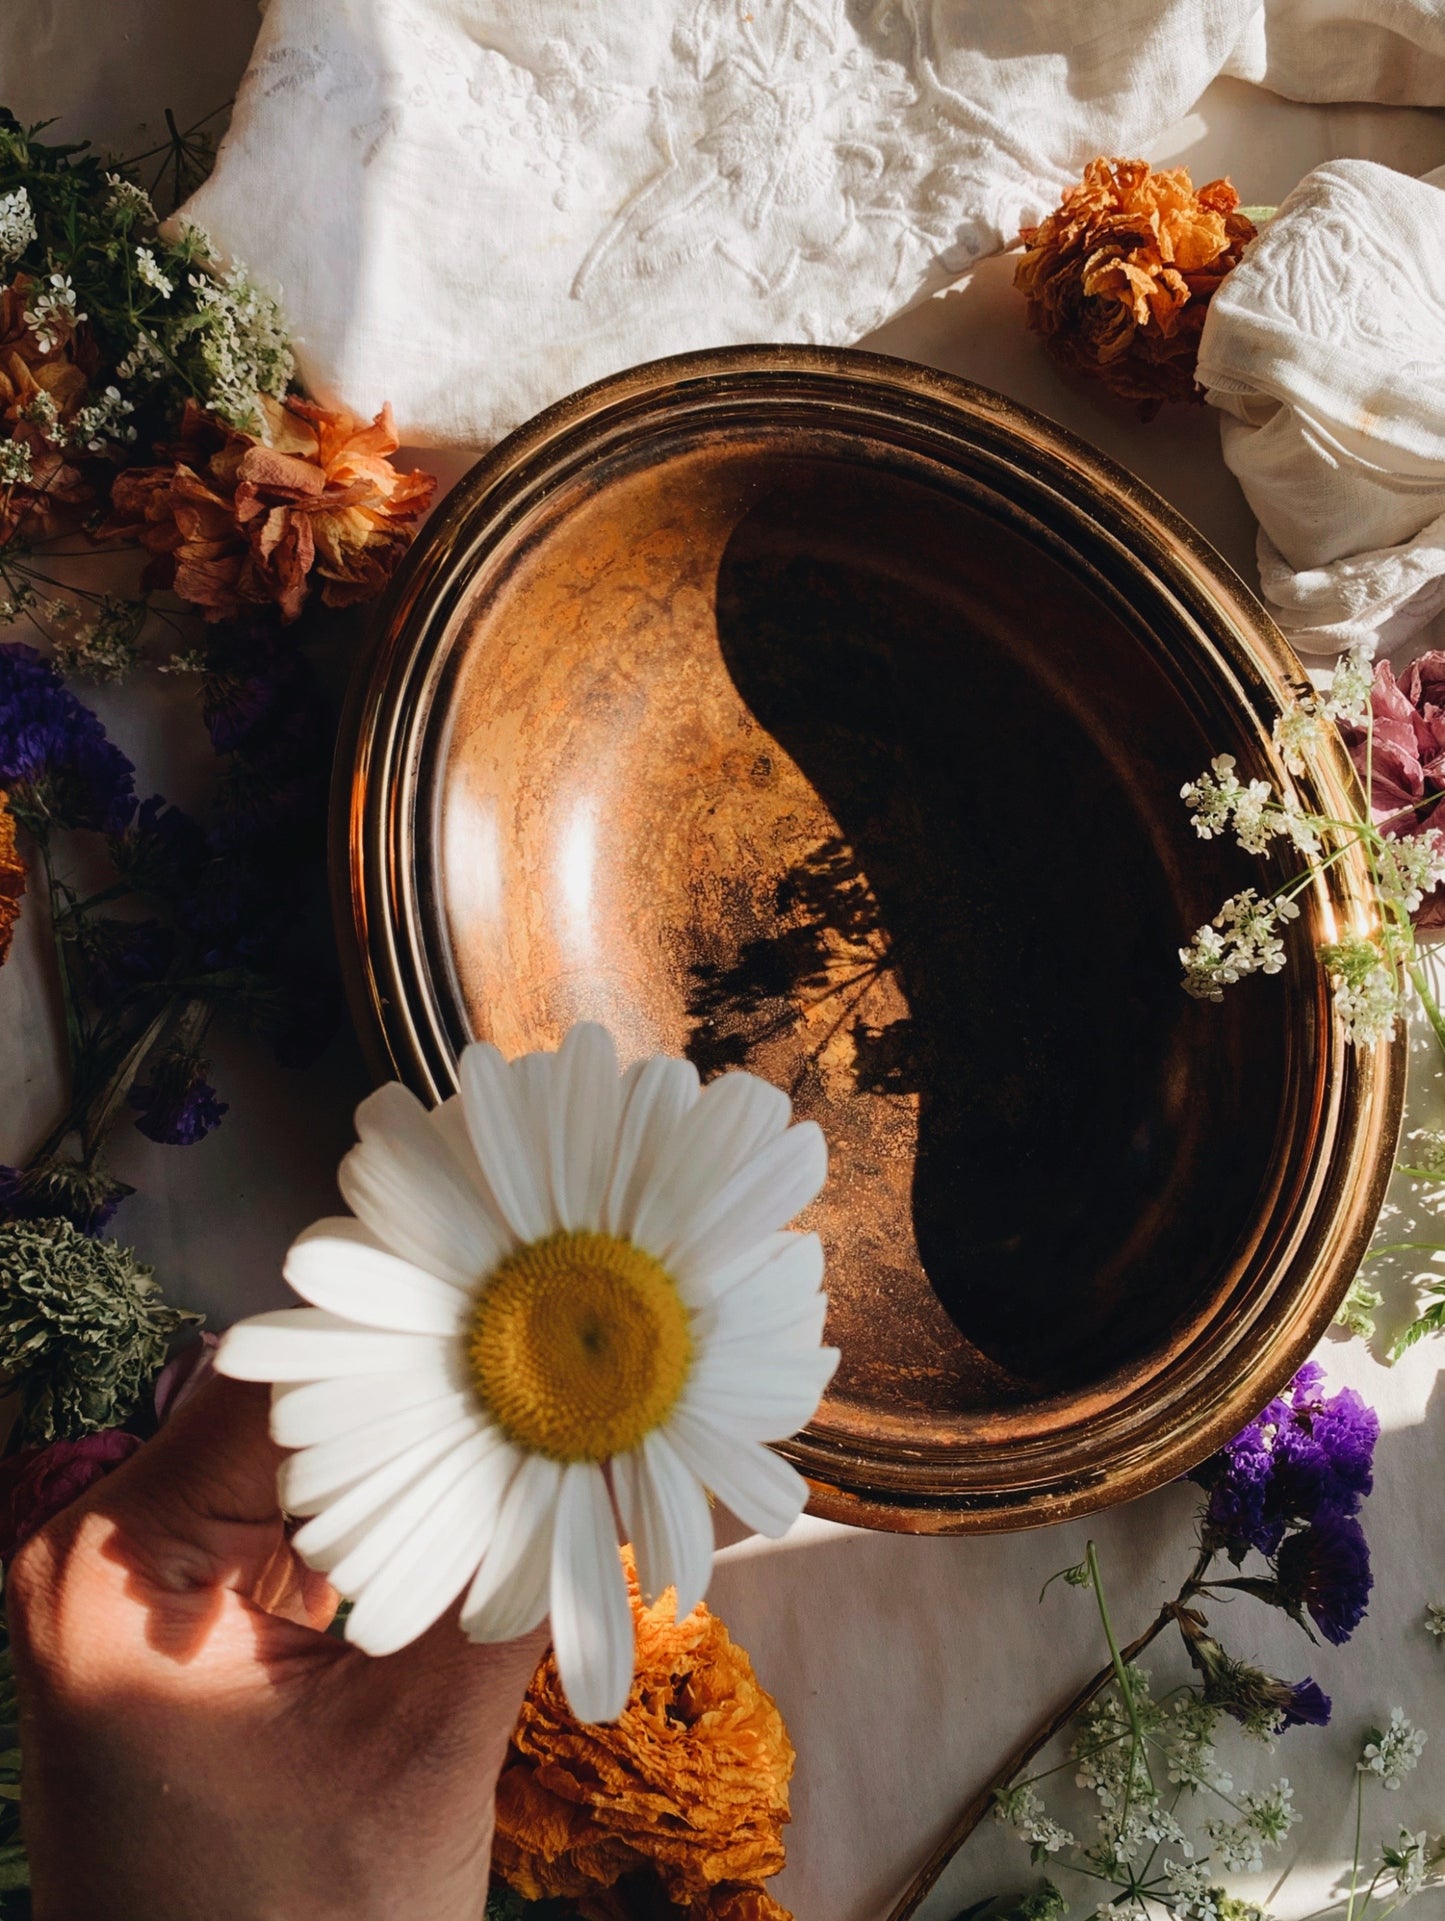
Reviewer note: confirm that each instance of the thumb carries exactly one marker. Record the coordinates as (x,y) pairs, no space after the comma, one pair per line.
(198,1508)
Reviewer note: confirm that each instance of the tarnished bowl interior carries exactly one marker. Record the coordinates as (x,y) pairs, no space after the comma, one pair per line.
(837,733)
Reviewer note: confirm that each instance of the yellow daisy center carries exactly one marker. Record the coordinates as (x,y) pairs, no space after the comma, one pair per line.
(579,1345)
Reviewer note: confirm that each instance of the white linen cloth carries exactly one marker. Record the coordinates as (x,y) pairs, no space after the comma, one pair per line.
(1325,348)
(473,206)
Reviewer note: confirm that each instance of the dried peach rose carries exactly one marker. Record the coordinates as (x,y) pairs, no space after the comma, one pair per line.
(233,520)
(1118,279)
(689,1787)
(12,878)
(40,390)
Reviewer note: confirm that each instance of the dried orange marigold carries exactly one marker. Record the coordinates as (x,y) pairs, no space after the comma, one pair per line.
(12,878)
(232,520)
(1118,279)
(685,1794)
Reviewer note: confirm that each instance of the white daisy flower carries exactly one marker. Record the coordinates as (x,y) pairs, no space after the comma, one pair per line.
(565,1298)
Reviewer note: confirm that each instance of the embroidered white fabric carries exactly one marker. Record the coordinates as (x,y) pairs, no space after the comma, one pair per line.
(1325,348)
(473,206)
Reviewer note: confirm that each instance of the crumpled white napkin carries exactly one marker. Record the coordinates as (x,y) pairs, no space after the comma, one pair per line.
(473,206)
(1325,349)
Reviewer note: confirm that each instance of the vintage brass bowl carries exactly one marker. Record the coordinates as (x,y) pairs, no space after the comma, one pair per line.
(822,714)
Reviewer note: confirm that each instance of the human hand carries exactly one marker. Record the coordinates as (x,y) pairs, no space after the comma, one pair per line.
(197,1748)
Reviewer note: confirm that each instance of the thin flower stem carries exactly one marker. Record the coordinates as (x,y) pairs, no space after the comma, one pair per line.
(1427,1000)
(1123,1683)
(1359,1827)
(74,1035)
(101,1117)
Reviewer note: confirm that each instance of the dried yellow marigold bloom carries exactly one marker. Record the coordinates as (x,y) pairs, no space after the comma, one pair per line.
(685,1796)
(1119,278)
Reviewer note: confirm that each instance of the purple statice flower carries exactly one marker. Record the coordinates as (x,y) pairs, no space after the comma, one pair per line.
(1324,1569)
(178,1105)
(1305,1455)
(1308,1706)
(55,761)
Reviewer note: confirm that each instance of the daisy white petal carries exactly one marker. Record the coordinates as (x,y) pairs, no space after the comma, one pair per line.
(720,1133)
(778,1181)
(309,1344)
(584,1103)
(413,1193)
(435,1562)
(305,1412)
(762,1400)
(763,1491)
(768,1293)
(318,1473)
(780,1326)
(340,1523)
(388,1530)
(667,1517)
(533,1076)
(501,1134)
(657,1093)
(592,1633)
(372,1287)
(511,1592)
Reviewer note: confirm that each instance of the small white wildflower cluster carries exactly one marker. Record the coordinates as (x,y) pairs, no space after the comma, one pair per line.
(242,339)
(1243,938)
(1367,993)
(51,313)
(1132,1816)
(41,411)
(1393,1752)
(1021,1809)
(17,227)
(1154,1857)
(1264,1822)
(101,424)
(1219,800)
(1193,1894)
(145,361)
(1435,1620)
(149,269)
(1415,1863)
(1347,698)
(1410,867)
(100,646)
(1299,731)
(16,463)
(19,597)
(129,200)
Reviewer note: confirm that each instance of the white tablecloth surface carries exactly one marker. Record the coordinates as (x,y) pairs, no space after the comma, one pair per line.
(905,1667)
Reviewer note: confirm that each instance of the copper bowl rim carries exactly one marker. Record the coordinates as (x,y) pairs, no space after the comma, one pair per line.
(1354,1109)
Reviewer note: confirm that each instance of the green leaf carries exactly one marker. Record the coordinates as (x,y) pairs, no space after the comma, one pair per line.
(1432,1321)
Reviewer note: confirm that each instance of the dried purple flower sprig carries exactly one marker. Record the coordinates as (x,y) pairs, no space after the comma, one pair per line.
(209,914)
